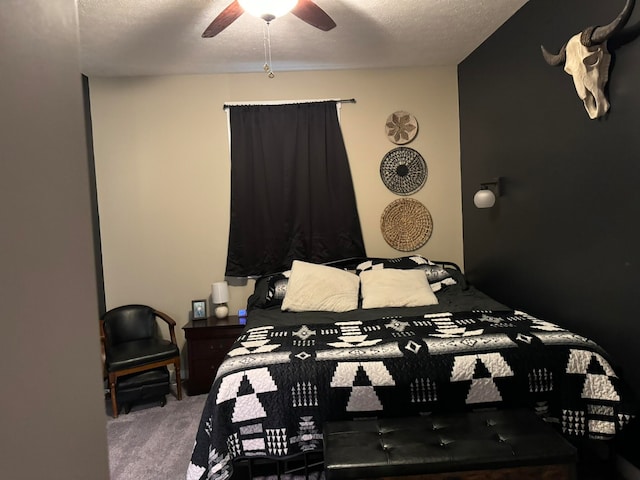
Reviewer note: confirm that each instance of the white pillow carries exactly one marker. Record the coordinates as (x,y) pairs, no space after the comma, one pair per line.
(390,287)
(315,287)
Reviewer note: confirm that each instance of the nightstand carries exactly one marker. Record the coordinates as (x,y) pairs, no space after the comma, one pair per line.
(208,341)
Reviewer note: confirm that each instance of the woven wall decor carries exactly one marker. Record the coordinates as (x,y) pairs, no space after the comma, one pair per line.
(406,224)
(401,127)
(403,171)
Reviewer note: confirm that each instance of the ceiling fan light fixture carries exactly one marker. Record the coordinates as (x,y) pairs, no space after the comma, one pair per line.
(268,9)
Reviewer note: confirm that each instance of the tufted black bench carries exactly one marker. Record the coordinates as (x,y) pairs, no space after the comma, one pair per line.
(509,444)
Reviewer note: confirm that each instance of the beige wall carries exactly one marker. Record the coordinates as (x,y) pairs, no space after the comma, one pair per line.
(162,166)
(52,415)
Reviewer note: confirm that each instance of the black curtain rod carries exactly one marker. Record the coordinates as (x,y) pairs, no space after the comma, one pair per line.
(346,100)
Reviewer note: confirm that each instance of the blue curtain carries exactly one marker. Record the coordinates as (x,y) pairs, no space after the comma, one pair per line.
(292,195)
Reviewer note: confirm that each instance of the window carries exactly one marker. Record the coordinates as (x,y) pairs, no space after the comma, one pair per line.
(292,195)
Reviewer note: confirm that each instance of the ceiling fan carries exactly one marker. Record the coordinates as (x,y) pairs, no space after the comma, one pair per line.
(305,10)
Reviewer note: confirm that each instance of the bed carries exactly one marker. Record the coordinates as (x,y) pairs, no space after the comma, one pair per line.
(394,338)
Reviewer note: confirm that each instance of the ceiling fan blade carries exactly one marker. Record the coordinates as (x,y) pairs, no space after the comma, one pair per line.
(309,12)
(224,19)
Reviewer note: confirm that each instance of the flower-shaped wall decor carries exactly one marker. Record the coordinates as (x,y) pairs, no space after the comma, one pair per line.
(401,127)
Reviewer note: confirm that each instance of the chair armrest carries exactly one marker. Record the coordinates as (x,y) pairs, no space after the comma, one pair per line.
(170,321)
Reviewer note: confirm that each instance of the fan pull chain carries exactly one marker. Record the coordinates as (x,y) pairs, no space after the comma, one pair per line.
(267,47)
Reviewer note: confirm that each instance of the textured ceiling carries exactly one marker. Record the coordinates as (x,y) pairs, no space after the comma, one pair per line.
(163,37)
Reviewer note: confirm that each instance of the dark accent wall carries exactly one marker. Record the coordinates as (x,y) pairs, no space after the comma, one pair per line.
(95,216)
(563,241)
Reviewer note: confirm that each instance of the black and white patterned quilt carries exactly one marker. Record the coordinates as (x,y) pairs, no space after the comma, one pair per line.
(281,381)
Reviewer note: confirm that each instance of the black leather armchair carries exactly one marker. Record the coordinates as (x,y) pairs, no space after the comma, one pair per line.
(132,343)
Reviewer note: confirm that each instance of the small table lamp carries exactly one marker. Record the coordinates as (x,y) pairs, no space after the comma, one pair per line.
(220,297)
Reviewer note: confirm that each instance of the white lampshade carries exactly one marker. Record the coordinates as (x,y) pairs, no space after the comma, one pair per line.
(220,292)
(484,198)
(268,9)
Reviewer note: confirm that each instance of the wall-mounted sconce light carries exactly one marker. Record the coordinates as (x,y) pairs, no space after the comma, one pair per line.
(486,196)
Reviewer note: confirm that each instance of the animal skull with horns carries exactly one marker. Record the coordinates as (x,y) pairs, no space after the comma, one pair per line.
(586,59)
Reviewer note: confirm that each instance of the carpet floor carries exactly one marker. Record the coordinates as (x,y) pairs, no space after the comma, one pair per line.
(153,442)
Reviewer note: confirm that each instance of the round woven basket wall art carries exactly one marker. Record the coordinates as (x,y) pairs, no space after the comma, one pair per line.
(406,224)
(401,127)
(403,171)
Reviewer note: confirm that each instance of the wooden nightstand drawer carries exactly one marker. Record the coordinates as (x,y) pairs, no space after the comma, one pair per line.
(204,372)
(208,341)
(203,349)
(208,367)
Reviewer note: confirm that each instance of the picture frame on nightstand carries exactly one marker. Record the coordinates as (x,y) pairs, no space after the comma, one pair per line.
(199,309)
